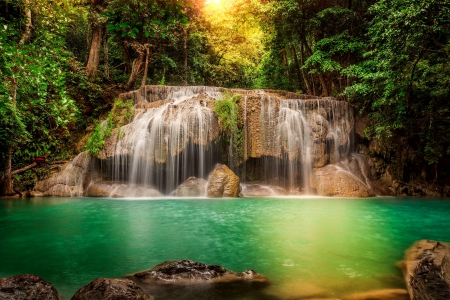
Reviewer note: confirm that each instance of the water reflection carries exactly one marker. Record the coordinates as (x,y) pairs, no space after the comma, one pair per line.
(306,247)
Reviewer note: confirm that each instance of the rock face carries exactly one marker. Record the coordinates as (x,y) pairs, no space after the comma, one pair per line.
(111,289)
(427,270)
(71,181)
(120,190)
(191,271)
(192,187)
(26,287)
(257,190)
(349,178)
(222,183)
(333,181)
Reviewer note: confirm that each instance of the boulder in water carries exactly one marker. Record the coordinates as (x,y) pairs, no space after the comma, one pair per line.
(222,183)
(27,287)
(111,289)
(192,187)
(427,271)
(387,294)
(190,271)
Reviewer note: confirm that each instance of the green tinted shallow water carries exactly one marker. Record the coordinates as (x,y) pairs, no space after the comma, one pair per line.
(304,246)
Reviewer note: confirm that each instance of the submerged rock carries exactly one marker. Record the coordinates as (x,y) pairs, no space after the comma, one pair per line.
(27,287)
(222,183)
(387,294)
(191,271)
(427,271)
(192,187)
(111,289)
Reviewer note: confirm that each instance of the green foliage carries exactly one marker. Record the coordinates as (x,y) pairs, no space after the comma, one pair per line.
(227,111)
(404,81)
(36,113)
(120,115)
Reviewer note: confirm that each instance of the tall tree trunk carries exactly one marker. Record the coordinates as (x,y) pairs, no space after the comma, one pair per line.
(297,66)
(106,54)
(185,36)
(137,66)
(7,178)
(349,4)
(305,76)
(126,55)
(29,26)
(285,62)
(147,60)
(323,82)
(96,40)
(94,52)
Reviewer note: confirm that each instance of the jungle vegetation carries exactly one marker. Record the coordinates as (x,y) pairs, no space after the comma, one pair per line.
(62,62)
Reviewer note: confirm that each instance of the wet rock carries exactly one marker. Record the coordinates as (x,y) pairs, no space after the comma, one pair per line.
(70,182)
(257,190)
(192,187)
(111,289)
(222,183)
(120,190)
(27,287)
(387,294)
(332,180)
(427,271)
(191,271)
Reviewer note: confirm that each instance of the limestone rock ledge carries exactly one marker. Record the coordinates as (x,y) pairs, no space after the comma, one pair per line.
(426,269)
(70,182)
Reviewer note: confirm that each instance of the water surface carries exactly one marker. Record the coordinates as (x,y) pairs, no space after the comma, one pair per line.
(306,247)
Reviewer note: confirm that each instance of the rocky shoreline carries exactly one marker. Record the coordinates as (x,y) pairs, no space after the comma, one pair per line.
(425,267)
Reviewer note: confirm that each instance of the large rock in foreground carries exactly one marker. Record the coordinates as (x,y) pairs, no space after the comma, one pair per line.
(222,183)
(191,271)
(27,287)
(192,187)
(111,289)
(427,270)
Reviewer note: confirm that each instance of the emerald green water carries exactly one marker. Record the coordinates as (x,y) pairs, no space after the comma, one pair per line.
(304,246)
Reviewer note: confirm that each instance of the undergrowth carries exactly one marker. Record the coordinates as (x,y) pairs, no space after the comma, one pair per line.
(120,115)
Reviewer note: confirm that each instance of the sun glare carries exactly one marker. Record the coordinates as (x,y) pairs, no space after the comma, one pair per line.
(212,2)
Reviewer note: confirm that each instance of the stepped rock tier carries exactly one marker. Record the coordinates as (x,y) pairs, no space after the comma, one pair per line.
(282,139)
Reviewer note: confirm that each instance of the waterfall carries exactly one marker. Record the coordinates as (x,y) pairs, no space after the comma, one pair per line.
(175,134)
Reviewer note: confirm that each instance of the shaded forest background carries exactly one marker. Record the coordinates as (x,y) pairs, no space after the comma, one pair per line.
(62,62)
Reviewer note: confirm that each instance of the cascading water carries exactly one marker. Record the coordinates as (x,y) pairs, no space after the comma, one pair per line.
(175,134)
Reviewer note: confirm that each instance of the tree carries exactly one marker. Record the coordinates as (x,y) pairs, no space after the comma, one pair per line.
(404,81)
(34,106)
(143,25)
(97,22)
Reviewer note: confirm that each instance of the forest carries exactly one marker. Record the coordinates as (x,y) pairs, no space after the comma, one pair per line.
(63,62)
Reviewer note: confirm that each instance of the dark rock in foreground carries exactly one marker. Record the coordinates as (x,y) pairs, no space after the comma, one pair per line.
(27,287)
(111,289)
(222,183)
(427,270)
(191,271)
(192,187)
